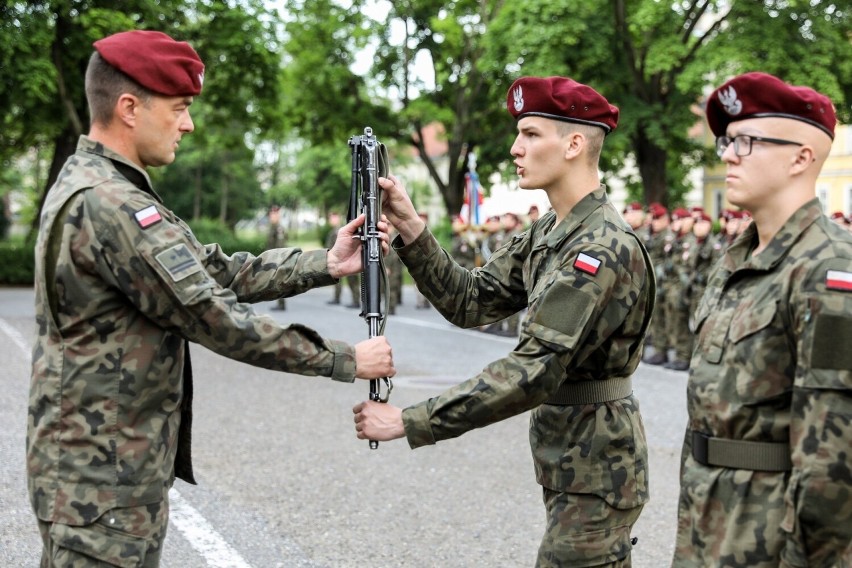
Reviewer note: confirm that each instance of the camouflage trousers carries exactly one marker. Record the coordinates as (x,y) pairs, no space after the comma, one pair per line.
(584,530)
(130,537)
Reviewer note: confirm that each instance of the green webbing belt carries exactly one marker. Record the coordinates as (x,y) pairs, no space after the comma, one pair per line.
(741,454)
(591,392)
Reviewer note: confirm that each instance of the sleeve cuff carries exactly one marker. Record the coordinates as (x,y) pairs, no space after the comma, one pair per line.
(418,429)
(343,368)
(424,246)
(315,268)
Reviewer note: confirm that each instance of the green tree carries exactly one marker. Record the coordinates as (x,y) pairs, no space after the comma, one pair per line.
(448,34)
(45,47)
(655,60)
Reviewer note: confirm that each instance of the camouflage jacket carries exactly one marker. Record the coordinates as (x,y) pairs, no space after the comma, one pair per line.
(772,364)
(121,283)
(585,322)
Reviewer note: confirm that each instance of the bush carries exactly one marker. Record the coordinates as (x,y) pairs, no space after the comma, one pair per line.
(17,263)
(17,258)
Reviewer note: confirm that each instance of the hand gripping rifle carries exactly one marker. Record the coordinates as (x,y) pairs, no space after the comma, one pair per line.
(369,162)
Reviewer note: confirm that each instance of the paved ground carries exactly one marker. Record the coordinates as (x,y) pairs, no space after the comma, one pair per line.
(284,482)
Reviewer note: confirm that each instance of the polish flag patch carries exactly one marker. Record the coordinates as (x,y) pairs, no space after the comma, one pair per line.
(838,280)
(587,264)
(148,216)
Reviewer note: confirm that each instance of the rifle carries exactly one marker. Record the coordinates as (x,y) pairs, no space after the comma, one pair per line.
(369,162)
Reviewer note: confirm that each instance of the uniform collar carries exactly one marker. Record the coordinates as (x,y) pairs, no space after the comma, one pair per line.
(738,255)
(585,207)
(133,173)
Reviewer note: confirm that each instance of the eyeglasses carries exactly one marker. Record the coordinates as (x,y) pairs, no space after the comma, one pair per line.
(743,142)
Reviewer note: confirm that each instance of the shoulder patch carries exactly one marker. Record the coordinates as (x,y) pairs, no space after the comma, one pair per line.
(148,216)
(838,280)
(179,262)
(587,264)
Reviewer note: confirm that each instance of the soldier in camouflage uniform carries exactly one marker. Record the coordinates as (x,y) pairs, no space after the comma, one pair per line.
(464,245)
(707,252)
(589,287)
(276,237)
(121,287)
(393,270)
(658,242)
(678,276)
(765,473)
(353,282)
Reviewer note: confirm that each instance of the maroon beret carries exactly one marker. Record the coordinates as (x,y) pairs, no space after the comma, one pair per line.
(155,61)
(681,213)
(758,95)
(838,215)
(633,206)
(702,216)
(560,98)
(657,210)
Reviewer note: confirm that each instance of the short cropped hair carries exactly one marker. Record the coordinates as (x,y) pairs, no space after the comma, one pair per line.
(594,137)
(104,85)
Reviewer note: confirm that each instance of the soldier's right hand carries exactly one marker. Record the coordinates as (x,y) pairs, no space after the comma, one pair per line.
(374,359)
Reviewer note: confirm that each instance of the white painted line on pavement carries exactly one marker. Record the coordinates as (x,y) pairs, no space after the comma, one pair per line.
(16,337)
(195,528)
(449,327)
(201,535)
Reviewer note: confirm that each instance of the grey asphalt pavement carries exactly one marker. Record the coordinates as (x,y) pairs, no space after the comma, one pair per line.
(284,482)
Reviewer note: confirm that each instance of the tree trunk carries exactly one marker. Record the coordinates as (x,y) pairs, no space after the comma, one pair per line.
(651,160)
(63,146)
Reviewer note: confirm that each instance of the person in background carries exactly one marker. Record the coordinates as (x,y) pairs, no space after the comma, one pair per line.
(678,276)
(658,241)
(353,281)
(765,470)
(122,287)
(589,287)
(276,237)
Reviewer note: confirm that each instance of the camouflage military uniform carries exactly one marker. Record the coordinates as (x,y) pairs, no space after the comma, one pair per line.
(659,245)
(277,238)
(677,297)
(772,372)
(464,248)
(591,458)
(707,252)
(353,282)
(121,285)
(393,269)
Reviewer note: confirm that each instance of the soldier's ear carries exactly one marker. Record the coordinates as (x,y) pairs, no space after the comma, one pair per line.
(127,109)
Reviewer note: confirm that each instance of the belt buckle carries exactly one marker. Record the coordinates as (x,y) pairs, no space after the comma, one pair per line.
(699,447)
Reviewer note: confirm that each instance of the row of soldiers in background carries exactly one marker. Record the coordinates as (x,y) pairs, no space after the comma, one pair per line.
(473,245)
(681,244)
(683,248)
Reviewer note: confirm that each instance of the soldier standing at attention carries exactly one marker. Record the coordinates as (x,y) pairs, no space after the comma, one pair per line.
(658,242)
(353,282)
(765,473)
(707,251)
(122,286)
(276,237)
(678,277)
(589,287)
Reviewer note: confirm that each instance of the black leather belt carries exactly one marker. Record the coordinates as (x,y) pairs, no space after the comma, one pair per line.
(741,454)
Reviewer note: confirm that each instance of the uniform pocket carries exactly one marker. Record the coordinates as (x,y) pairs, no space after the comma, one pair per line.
(99,542)
(749,322)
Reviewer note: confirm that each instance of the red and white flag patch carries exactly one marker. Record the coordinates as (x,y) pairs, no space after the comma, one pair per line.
(587,264)
(838,280)
(148,216)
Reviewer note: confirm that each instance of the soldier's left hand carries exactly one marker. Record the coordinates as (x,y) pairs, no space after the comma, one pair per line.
(378,421)
(344,258)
